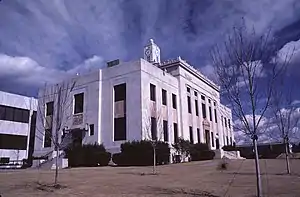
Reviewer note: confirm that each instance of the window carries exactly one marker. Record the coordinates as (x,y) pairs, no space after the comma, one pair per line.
(231,141)
(120,129)
(165,128)
(216,118)
(91,129)
(208,100)
(212,139)
(153,128)
(164,96)
(198,135)
(175,132)
(225,121)
(191,135)
(14,114)
(196,108)
(188,89)
(78,103)
(152,92)
(210,115)
(189,104)
(49,108)
(195,93)
(17,142)
(222,120)
(48,138)
(214,103)
(203,110)
(227,140)
(203,97)
(229,125)
(120,92)
(174,101)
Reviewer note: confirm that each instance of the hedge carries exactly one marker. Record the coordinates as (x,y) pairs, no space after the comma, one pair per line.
(89,155)
(140,153)
(200,151)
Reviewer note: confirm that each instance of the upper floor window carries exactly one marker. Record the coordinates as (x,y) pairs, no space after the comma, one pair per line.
(174,101)
(225,121)
(229,125)
(188,89)
(203,97)
(208,100)
(79,100)
(210,113)
(196,108)
(164,97)
(195,93)
(189,104)
(49,108)
(14,114)
(216,117)
(203,110)
(120,92)
(152,92)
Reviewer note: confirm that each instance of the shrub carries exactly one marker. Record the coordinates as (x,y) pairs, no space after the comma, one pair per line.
(140,153)
(200,151)
(88,155)
(229,148)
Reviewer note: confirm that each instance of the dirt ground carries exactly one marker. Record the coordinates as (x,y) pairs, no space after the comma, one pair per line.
(188,179)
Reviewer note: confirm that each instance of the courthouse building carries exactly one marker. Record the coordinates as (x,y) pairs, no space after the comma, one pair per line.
(142,99)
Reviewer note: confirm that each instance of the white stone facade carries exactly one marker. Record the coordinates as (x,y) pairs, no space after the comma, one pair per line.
(102,106)
(16,113)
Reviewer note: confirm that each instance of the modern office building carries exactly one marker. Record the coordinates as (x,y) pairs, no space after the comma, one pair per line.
(17,126)
(142,99)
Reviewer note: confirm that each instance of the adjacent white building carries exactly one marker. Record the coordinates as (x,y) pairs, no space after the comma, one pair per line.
(135,100)
(17,122)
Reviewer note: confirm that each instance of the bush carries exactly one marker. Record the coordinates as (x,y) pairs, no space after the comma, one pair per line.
(140,153)
(88,155)
(200,151)
(229,148)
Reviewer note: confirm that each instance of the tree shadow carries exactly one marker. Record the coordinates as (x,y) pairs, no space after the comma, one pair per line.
(46,187)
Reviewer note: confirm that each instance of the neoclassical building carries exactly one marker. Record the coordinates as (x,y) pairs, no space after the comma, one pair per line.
(142,99)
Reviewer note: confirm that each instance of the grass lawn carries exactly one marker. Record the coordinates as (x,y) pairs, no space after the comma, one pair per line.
(187,179)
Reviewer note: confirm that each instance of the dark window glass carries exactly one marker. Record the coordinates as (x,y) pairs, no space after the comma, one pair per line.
(152,92)
(216,117)
(120,92)
(79,100)
(17,142)
(153,128)
(195,93)
(188,89)
(49,108)
(2,112)
(231,140)
(208,100)
(212,139)
(32,136)
(175,132)
(198,135)
(164,96)
(214,103)
(14,114)
(9,113)
(191,135)
(165,128)
(210,115)
(92,129)
(174,101)
(196,108)
(203,97)
(225,121)
(120,129)
(48,138)
(227,140)
(229,125)
(189,104)
(203,110)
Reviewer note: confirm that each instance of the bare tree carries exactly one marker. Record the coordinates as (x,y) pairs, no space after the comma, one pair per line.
(53,124)
(153,129)
(247,67)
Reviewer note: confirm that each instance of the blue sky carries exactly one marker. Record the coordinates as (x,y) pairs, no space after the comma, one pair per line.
(41,41)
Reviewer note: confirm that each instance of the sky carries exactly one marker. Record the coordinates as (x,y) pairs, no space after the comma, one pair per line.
(43,41)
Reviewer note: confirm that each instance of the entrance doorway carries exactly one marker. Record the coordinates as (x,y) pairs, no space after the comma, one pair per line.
(217,143)
(77,137)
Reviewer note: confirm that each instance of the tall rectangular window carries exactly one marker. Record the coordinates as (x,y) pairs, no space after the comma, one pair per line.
(210,115)
(196,108)
(195,93)
(203,110)
(165,128)
(203,97)
(229,125)
(212,139)
(188,89)
(152,92)
(92,129)
(120,125)
(174,101)
(49,108)
(175,127)
(164,96)
(79,100)
(191,135)
(227,140)
(216,117)
(225,121)
(153,128)
(48,138)
(198,135)
(189,104)
(231,141)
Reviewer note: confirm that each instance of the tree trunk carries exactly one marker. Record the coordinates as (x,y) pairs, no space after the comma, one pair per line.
(56,166)
(154,160)
(257,170)
(288,168)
